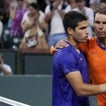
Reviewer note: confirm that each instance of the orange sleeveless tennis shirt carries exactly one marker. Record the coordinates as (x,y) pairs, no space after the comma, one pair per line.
(96,58)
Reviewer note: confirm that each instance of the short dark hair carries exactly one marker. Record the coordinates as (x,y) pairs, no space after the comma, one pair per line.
(72,18)
(34,5)
(101,9)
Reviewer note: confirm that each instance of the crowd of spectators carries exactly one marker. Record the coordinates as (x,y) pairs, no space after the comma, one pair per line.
(38,23)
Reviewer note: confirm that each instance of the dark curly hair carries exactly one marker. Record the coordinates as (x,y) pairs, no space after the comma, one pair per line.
(100,9)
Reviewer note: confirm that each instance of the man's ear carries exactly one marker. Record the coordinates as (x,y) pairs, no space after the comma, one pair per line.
(70,31)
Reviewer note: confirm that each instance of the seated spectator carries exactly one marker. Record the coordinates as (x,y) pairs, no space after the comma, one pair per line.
(33,26)
(5,69)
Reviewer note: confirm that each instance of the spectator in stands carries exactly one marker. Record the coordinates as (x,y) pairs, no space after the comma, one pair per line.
(5,69)
(16,15)
(33,25)
(88,12)
(54,12)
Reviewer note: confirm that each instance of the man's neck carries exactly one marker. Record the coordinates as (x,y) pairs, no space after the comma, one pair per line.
(102,42)
(72,42)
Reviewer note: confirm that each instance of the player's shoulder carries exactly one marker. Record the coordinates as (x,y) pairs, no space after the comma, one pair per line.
(64,51)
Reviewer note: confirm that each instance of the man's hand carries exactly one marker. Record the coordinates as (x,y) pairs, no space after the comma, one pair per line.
(55,4)
(61,44)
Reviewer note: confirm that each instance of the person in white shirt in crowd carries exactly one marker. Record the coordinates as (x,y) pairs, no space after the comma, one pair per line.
(33,26)
(5,69)
(54,13)
(88,12)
